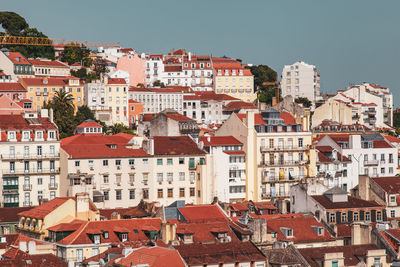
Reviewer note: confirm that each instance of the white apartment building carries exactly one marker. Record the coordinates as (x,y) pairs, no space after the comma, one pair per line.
(278,152)
(206,107)
(226,166)
(154,68)
(156,100)
(114,53)
(118,173)
(47,67)
(29,148)
(368,108)
(301,80)
(370,154)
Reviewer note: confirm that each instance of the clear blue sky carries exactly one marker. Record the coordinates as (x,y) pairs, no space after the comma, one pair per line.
(349,41)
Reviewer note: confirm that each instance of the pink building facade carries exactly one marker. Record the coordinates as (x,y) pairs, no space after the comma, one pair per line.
(135,66)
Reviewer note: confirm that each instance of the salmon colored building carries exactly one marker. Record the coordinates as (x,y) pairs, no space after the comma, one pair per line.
(135,110)
(135,66)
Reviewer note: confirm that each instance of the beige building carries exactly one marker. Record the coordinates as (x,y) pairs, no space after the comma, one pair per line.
(116,100)
(14,64)
(47,67)
(234,80)
(29,148)
(118,173)
(334,110)
(278,152)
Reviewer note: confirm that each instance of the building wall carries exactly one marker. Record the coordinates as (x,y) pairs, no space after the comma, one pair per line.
(116,99)
(332,110)
(155,102)
(238,86)
(51,71)
(300,80)
(7,66)
(135,65)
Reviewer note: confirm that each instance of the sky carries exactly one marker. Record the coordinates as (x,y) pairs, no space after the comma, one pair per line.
(349,42)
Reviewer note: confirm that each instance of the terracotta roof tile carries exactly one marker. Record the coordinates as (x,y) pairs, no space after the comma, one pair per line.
(48,63)
(176,145)
(202,213)
(116,81)
(18,58)
(237,105)
(390,185)
(11,87)
(352,202)
(220,141)
(258,120)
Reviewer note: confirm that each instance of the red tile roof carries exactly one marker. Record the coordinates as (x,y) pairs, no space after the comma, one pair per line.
(91,124)
(168,68)
(17,122)
(240,152)
(390,185)
(353,255)
(11,214)
(116,81)
(302,229)
(88,146)
(48,63)
(126,50)
(14,239)
(208,95)
(52,81)
(288,118)
(392,139)
(177,116)
(201,254)
(202,213)
(343,230)
(11,87)
(176,145)
(258,120)
(238,105)
(134,228)
(261,205)
(46,208)
(14,56)
(157,90)
(152,257)
(220,141)
(16,258)
(352,202)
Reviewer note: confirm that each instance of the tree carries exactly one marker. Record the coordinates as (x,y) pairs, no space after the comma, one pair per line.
(263,74)
(99,67)
(159,83)
(303,100)
(140,85)
(73,54)
(83,113)
(12,22)
(120,128)
(63,107)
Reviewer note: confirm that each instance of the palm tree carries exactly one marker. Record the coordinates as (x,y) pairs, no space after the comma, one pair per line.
(63,99)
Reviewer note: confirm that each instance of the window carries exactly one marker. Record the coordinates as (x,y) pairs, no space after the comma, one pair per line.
(332,217)
(145,193)
(181,192)
(170,177)
(105,179)
(96,251)
(382,170)
(335,263)
(160,193)
(145,161)
(105,162)
(344,217)
(367,216)
(192,192)
(39,150)
(52,194)
(377,262)
(106,195)
(79,255)
(355,216)
(378,215)
(77,163)
(118,162)
(392,199)
(392,213)
(170,192)
(159,161)
(181,160)
(118,194)
(132,194)
(300,142)
(169,161)
(288,232)
(131,162)
(159,177)
(181,176)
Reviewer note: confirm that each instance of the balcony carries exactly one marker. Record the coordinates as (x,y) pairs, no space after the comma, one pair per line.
(27,204)
(13,204)
(30,156)
(53,186)
(371,163)
(284,194)
(371,120)
(10,187)
(27,187)
(283,148)
(281,179)
(31,171)
(371,111)
(283,163)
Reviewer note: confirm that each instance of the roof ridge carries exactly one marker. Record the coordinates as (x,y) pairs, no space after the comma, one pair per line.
(80,231)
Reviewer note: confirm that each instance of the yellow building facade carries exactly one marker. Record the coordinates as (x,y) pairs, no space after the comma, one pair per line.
(43,89)
(237,83)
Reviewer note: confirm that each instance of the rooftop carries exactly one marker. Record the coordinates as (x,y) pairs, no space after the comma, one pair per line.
(176,145)
(352,202)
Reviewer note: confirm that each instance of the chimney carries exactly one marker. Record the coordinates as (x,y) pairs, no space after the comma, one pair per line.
(208,139)
(151,146)
(189,56)
(360,234)
(355,141)
(82,206)
(22,246)
(363,187)
(51,116)
(32,247)
(44,113)
(168,232)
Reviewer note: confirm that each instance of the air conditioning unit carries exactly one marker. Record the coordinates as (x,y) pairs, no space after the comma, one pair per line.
(118,167)
(132,167)
(91,168)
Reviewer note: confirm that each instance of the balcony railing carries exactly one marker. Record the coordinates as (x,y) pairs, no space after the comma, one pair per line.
(30,156)
(275,195)
(277,178)
(27,187)
(283,148)
(31,171)
(371,163)
(283,163)
(10,187)
(53,186)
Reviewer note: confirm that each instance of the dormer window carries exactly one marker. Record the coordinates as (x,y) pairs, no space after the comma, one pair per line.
(39,134)
(3,239)
(233,72)
(288,232)
(96,239)
(26,135)
(11,135)
(52,134)
(318,230)
(219,72)
(188,238)
(124,237)
(105,235)
(226,72)
(240,72)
